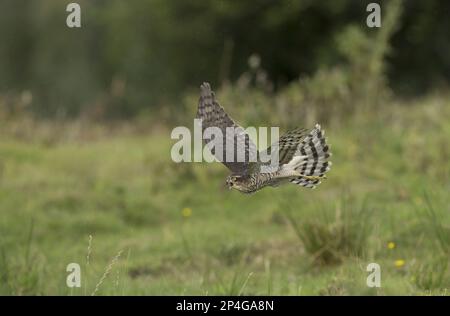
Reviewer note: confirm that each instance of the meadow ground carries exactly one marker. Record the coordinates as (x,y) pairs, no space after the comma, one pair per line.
(166,228)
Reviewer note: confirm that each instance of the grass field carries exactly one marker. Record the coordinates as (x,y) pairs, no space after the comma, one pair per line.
(158,227)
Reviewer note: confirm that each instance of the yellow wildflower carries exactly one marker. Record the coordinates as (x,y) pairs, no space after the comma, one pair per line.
(391,245)
(399,263)
(186,212)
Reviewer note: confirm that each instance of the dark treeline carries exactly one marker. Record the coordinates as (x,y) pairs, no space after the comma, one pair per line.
(140,55)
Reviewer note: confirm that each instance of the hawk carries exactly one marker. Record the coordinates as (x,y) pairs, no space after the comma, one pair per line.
(303,155)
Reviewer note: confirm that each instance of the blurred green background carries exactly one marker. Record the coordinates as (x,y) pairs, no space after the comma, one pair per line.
(157,50)
(85,168)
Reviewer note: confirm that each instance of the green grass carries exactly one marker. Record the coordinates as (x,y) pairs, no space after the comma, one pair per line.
(389,183)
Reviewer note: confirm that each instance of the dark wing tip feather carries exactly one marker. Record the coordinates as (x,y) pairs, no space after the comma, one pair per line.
(205,89)
(206,101)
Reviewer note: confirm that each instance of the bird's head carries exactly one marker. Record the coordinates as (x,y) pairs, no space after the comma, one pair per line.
(237,182)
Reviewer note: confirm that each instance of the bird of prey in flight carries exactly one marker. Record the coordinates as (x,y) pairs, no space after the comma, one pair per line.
(303,154)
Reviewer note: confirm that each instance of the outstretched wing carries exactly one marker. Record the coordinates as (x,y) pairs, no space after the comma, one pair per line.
(288,144)
(286,147)
(306,151)
(213,115)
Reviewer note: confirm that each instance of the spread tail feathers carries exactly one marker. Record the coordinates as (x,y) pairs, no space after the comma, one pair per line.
(311,159)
